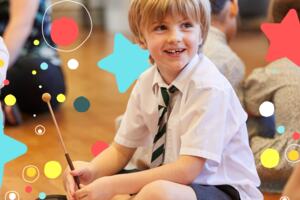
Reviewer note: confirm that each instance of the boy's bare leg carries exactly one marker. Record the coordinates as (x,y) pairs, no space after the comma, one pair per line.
(123,197)
(165,190)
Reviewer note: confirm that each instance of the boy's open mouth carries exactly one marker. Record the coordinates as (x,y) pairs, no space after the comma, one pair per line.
(174,51)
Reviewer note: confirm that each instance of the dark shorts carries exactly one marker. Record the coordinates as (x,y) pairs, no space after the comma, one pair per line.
(219,192)
(207,192)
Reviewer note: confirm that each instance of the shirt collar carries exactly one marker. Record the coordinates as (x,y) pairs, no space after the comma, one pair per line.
(180,81)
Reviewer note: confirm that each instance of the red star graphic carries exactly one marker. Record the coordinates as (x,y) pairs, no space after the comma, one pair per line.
(284,38)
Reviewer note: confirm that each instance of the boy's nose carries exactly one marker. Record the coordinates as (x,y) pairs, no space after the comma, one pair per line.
(175,36)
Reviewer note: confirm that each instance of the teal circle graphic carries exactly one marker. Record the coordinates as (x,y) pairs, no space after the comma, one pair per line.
(280,129)
(81,104)
(44,66)
(42,195)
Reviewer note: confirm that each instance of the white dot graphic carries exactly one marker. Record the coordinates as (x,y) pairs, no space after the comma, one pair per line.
(12,196)
(266,109)
(73,64)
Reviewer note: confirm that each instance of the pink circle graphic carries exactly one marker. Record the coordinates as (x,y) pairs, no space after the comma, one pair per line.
(64,31)
(6,82)
(28,189)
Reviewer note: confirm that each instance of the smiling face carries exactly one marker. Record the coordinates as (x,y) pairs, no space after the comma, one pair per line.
(172,43)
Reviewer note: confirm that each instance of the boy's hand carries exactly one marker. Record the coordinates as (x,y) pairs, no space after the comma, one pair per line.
(102,188)
(85,173)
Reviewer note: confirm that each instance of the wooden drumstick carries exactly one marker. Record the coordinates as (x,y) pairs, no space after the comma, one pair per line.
(46,98)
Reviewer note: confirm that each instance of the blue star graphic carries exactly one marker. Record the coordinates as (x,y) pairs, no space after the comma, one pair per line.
(126,62)
(9,149)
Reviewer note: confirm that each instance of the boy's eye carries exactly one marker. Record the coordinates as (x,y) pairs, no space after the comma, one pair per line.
(187,25)
(160,28)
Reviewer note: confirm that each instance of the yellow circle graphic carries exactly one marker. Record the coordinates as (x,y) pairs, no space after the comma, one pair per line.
(2,63)
(10,100)
(269,158)
(61,98)
(52,169)
(31,172)
(293,155)
(36,42)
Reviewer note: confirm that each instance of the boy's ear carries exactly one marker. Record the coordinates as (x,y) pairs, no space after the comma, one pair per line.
(143,45)
(234,8)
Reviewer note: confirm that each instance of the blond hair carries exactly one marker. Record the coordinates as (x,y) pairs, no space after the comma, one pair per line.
(142,12)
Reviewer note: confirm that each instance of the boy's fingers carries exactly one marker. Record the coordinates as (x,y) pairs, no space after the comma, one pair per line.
(69,194)
(69,197)
(80,194)
(77,172)
(71,184)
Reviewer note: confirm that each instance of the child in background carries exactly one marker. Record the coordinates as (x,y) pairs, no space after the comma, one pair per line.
(4,59)
(263,84)
(278,82)
(21,24)
(216,48)
(184,126)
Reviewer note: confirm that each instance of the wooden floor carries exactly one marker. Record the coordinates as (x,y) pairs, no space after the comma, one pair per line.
(81,130)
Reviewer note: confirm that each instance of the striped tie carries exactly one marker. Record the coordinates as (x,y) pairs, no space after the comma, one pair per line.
(158,152)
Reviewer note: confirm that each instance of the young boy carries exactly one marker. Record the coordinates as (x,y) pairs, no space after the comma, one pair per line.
(223,29)
(278,82)
(183,121)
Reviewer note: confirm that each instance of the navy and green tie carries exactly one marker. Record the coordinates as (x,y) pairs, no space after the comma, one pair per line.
(158,152)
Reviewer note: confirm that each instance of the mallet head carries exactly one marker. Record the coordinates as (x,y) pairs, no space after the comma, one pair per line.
(46,97)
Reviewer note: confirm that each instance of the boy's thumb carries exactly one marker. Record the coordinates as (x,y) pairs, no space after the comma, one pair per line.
(77,172)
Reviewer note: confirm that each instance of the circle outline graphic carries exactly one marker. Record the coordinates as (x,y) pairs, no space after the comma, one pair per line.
(8,192)
(75,48)
(36,129)
(285,154)
(37,176)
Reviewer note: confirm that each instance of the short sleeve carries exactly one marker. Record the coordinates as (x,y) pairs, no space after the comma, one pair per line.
(4,59)
(133,131)
(207,118)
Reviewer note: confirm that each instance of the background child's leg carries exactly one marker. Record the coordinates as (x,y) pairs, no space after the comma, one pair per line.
(123,197)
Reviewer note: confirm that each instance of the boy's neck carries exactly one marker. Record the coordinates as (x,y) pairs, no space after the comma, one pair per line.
(168,77)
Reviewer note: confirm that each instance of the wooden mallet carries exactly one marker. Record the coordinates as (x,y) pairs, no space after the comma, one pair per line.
(46,98)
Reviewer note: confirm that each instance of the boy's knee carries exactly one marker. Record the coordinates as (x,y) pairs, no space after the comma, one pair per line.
(158,190)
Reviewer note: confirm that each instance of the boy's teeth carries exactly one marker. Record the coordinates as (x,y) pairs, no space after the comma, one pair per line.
(175,51)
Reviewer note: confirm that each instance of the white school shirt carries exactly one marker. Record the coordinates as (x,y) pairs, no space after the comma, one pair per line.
(207,120)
